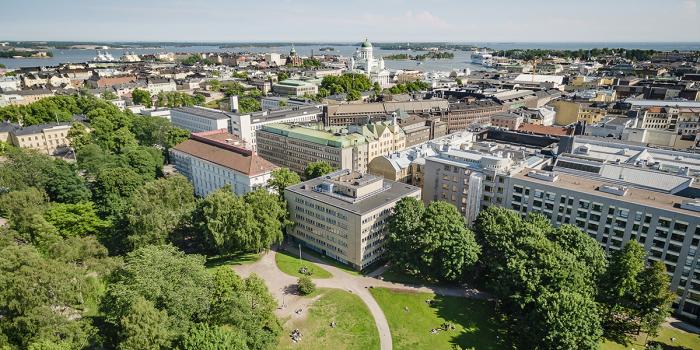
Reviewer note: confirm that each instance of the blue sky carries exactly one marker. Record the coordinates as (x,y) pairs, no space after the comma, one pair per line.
(352,20)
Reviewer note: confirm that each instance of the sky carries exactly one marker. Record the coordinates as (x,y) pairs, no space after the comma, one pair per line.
(351,20)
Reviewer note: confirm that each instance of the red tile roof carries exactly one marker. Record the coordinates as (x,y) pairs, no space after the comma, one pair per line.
(545,130)
(248,163)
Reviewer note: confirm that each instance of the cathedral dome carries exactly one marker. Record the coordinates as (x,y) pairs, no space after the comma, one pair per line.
(366,43)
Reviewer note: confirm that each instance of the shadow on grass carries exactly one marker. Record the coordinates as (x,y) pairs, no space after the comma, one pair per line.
(232,259)
(668,347)
(482,328)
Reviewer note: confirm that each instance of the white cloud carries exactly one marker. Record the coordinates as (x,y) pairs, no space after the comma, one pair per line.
(690,4)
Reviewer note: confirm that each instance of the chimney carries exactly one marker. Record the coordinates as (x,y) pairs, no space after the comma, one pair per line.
(234,103)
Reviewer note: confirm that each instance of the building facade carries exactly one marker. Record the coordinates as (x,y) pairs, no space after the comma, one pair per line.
(344,215)
(245,126)
(618,192)
(216,159)
(363,61)
(200,119)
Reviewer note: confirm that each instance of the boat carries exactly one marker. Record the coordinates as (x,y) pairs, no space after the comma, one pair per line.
(483,58)
(103,57)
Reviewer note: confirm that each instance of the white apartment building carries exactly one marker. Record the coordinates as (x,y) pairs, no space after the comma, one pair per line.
(473,175)
(617,193)
(344,215)
(156,86)
(212,160)
(198,119)
(245,126)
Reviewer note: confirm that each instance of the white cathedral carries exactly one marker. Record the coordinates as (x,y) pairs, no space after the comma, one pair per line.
(362,61)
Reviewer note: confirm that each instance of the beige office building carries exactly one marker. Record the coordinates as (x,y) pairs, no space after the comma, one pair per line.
(46,138)
(295,146)
(344,215)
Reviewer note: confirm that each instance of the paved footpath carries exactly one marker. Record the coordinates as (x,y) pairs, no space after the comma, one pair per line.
(282,287)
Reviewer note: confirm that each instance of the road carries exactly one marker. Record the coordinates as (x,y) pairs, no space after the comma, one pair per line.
(282,286)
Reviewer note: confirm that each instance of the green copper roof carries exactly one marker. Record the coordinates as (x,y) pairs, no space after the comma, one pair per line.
(321,137)
(366,43)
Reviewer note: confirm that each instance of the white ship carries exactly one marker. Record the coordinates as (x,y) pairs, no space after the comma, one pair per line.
(483,58)
(103,57)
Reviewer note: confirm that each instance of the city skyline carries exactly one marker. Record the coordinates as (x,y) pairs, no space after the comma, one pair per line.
(393,20)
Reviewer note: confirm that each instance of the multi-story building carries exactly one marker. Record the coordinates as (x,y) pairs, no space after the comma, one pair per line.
(46,138)
(463,115)
(245,126)
(474,175)
(214,159)
(408,165)
(507,121)
(294,88)
(295,146)
(344,215)
(275,102)
(199,119)
(158,85)
(618,192)
(360,113)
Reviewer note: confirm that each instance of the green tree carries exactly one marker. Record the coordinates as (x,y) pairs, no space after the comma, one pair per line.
(172,281)
(78,136)
(248,105)
(158,208)
(306,285)
(250,308)
(281,76)
(145,327)
(447,247)
(112,187)
(403,233)
(64,185)
(206,337)
(655,298)
(25,211)
(282,178)
(270,215)
(377,88)
(25,168)
(317,169)
(563,320)
(619,290)
(42,300)
(142,97)
(78,219)
(354,95)
(227,224)
(109,95)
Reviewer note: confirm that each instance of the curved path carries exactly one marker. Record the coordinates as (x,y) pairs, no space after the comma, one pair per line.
(281,286)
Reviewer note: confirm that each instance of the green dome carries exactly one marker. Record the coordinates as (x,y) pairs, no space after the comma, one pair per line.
(366,43)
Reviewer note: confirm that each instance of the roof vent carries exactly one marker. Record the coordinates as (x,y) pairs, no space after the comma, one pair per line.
(693,205)
(543,175)
(612,189)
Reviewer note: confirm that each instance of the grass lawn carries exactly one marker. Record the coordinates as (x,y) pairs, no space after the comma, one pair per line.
(473,320)
(355,328)
(327,260)
(392,275)
(684,340)
(233,259)
(291,264)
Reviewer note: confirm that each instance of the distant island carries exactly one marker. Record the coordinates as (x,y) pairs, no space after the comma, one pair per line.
(421,57)
(12,53)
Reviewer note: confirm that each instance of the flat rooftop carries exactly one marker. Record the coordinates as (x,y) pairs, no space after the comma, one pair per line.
(632,195)
(204,112)
(392,191)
